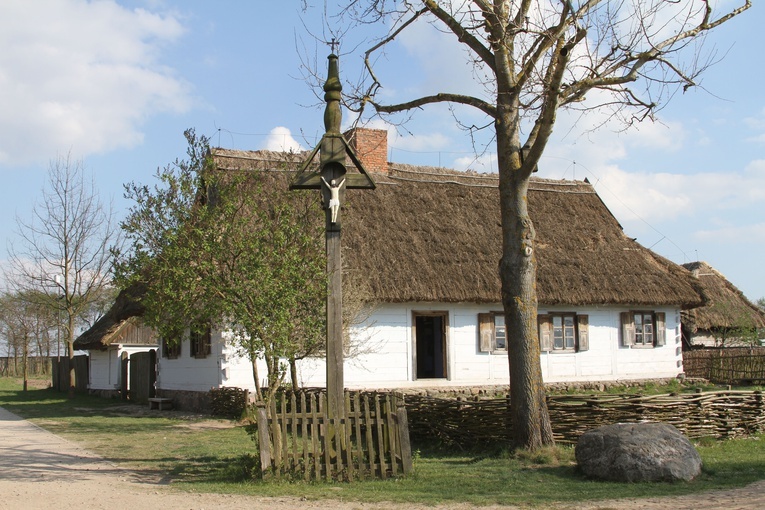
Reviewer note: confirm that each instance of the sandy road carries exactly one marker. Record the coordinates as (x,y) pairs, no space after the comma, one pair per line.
(39,470)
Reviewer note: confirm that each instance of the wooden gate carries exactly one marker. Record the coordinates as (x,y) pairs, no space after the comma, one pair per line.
(143,375)
(297,439)
(60,373)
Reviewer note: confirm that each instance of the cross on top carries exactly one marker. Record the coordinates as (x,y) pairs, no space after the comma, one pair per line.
(334,44)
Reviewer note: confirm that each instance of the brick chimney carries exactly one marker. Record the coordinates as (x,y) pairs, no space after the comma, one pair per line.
(371,147)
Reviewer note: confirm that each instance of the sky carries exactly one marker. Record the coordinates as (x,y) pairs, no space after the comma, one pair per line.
(114,84)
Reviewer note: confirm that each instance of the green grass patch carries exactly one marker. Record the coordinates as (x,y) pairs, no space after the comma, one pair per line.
(201,454)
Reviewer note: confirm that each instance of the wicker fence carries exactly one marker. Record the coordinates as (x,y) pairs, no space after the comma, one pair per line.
(730,365)
(297,439)
(466,423)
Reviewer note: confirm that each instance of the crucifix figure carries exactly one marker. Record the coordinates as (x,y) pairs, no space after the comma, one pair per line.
(334,200)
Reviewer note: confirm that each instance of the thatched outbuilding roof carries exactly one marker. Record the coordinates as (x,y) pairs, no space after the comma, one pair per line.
(726,306)
(121,324)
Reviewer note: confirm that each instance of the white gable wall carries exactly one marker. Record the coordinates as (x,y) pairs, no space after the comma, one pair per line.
(385,354)
(191,374)
(607,359)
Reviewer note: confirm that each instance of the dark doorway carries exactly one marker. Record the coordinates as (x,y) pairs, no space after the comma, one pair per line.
(430,345)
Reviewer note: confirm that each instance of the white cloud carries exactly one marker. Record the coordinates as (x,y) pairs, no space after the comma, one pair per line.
(82,76)
(664,196)
(432,141)
(280,139)
(485,163)
(744,234)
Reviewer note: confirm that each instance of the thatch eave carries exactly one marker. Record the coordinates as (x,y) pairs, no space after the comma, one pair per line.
(123,313)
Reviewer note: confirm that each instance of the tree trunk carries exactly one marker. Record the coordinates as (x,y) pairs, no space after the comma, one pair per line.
(530,419)
(258,390)
(294,374)
(24,363)
(70,348)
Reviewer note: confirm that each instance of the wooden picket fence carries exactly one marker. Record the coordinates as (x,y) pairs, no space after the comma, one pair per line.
(297,439)
(468,423)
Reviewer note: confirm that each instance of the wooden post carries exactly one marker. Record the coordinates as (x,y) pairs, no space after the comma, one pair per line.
(124,375)
(335,380)
(403,431)
(264,441)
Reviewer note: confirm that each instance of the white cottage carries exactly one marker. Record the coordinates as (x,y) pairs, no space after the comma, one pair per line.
(428,241)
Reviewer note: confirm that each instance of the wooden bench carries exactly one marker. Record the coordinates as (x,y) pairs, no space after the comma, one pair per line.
(160,403)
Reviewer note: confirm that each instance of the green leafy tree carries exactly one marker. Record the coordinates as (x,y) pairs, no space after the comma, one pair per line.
(532,58)
(235,250)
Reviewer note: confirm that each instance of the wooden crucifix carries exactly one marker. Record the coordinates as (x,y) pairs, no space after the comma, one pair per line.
(333,178)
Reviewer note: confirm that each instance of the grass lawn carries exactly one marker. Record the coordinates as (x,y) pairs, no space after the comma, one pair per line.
(201,454)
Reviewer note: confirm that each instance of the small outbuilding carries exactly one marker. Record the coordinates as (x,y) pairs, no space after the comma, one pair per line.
(112,342)
(727,319)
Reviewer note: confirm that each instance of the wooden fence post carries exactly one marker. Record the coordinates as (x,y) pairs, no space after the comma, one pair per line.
(264,441)
(403,431)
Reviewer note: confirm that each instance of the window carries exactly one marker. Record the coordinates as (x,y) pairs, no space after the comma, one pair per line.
(643,329)
(171,350)
(200,342)
(563,332)
(492,334)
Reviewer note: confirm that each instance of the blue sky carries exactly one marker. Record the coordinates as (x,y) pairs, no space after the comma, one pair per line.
(115,84)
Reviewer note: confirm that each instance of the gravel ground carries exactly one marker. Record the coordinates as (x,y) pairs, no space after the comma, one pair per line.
(39,470)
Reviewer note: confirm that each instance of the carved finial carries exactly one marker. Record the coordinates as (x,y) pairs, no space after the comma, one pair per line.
(332,95)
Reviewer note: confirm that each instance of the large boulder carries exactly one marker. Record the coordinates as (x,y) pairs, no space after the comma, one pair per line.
(637,452)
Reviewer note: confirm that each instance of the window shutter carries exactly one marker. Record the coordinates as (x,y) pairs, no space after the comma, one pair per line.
(583,322)
(661,329)
(628,329)
(485,331)
(545,333)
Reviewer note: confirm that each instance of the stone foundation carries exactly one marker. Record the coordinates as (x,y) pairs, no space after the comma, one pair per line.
(105,393)
(551,388)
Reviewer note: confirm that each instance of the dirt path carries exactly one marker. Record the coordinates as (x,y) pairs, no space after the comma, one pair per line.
(39,470)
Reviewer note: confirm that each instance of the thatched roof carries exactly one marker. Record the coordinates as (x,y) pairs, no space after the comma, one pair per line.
(433,235)
(122,319)
(726,306)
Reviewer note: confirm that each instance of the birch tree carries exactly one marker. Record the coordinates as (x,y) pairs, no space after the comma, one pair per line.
(62,252)
(533,58)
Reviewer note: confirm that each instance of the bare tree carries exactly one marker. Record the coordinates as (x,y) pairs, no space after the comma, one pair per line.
(64,251)
(25,321)
(533,58)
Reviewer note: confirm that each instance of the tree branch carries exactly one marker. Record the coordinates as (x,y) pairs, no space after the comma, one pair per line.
(485,107)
